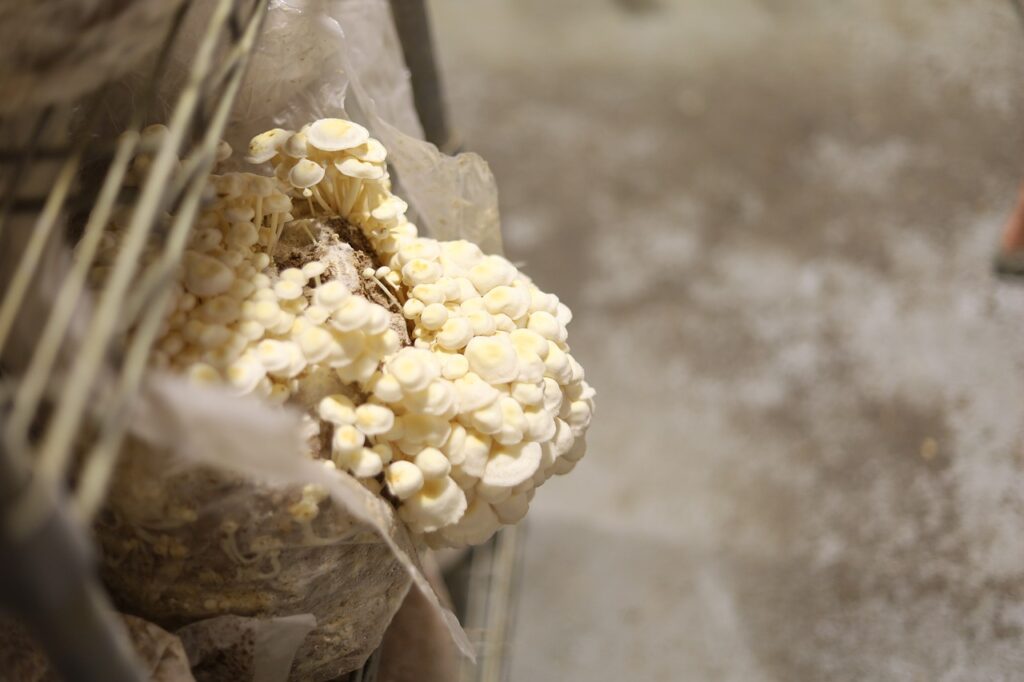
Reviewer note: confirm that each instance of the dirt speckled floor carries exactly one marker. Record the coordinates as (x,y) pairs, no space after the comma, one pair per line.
(774,223)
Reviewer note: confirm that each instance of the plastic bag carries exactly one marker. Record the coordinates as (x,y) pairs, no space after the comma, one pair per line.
(242,463)
(326,58)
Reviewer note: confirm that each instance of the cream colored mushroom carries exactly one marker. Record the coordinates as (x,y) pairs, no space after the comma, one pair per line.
(265,146)
(438,504)
(510,465)
(305,174)
(478,523)
(403,479)
(336,134)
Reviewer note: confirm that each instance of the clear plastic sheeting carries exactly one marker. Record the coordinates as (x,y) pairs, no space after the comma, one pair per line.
(53,51)
(342,58)
(202,521)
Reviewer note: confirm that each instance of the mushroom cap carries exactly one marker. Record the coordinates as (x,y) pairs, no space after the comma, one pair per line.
(414,368)
(337,409)
(476,450)
(265,146)
(346,441)
(331,294)
(371,150)
(460,255)
(493,359)
(512,509)
(510,465)
(433,463)
(373,419)
(365,464)
(351,314)
(335,134)
(295,146)
(439,503)
(403,479)
(305,173)
(206,275)
(491,272)
(492,493)
(354,168)
(478,523)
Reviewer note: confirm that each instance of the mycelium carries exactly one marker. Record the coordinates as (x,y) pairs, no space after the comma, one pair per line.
(452,392)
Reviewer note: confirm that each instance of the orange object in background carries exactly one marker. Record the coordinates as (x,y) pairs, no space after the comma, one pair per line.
(1010,259)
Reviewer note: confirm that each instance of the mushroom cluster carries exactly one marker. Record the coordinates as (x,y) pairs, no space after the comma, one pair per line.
(455,404)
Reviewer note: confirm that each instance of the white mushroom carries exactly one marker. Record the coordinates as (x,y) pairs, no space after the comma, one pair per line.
(491,272)
(433,463)
(295,146)
(346,441)
(336,134)
(365,464)
(331,295)
(512,509)
(354,168)
(474,393)
(264,146)
(493,358)
(478,523)
(305,173)
(337,409)
(413,368)
(510,465)
(205,275)
(371,150)
(373,419)
(439,503)
(403,479)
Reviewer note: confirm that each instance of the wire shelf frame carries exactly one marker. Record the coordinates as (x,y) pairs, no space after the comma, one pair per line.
(67,375)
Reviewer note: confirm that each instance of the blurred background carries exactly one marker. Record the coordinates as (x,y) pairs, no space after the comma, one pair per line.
(775,223)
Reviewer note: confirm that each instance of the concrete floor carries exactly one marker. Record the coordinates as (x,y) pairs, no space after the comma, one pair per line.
(774,222)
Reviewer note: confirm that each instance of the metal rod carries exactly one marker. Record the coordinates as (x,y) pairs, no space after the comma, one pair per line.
(413,25)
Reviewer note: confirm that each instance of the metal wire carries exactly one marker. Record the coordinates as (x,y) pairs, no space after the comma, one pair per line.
(100,462)
(42,412)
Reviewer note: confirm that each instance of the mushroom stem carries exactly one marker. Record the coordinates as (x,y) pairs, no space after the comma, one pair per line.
(326,187)
(274,234)
(259,212)
(387,292)
(355,187)
(339,193)
(319,199)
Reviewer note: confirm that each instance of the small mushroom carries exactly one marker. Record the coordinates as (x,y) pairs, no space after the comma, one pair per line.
(403,479)
(371,150)
(510,465)
(354,168)
(305,174)
(493,359)
(433,463)
(265,146)
(439,503)
(414,368)
(478,523)
(337,409)
(373,419)
(205,275)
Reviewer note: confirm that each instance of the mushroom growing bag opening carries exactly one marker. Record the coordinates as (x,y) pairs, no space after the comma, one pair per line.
(331,391)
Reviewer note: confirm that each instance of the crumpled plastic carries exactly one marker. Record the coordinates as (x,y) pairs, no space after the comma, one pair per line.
(343,58)
(197,524)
